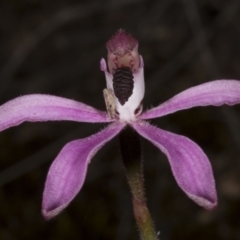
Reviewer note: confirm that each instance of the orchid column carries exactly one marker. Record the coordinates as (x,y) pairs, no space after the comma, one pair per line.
(123,97)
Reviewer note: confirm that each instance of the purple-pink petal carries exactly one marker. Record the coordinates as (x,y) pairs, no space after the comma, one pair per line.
(68,171)
(40,107)
(213,93)
(190,166)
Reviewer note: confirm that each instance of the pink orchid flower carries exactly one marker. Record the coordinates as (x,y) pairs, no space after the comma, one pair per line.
(123,95)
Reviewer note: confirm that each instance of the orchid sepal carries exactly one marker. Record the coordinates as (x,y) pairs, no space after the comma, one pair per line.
(42,107)
(190,165)
(68,171)
(214,93)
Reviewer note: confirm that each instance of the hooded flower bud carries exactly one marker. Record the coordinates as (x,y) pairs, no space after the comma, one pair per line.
(122,52)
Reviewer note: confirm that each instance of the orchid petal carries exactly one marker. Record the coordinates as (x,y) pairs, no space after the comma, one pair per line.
(213,93)
(108,76)
(190,166)
(40,107)
(67,173)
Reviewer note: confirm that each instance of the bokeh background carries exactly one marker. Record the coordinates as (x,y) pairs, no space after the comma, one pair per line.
(55,47)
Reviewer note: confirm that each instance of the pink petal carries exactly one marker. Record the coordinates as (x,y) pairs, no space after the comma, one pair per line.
(67,173)
(40,107)
(190,166)
(213,93)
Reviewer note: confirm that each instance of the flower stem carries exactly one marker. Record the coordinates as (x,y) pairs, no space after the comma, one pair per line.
(130,147)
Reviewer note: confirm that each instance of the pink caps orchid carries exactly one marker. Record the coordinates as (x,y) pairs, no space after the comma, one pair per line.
(123,95)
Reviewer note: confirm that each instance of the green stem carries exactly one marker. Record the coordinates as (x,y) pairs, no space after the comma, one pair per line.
(131,154)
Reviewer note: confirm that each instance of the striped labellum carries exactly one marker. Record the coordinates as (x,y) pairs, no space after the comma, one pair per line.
(123,84)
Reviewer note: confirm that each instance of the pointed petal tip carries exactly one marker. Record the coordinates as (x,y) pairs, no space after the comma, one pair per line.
(48,215)
(52,211)
(103,65)
(208,204)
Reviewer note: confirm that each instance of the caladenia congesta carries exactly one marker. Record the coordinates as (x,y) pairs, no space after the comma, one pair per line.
(123,96)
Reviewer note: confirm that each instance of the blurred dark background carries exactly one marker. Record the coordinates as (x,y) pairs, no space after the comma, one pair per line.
(55,47)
